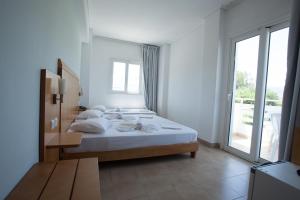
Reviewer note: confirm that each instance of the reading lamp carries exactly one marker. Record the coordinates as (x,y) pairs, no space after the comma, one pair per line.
(54,89)
(58,87)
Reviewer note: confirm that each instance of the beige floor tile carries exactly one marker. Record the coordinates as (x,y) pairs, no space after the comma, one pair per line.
(239,183)
(141,197)
(189,191)
(124,175)
(166,195)
(213,175)
(129,191)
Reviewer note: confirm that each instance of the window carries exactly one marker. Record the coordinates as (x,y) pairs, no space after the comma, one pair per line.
(126,77)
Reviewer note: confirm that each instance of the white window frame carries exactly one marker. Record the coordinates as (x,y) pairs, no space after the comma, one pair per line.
(127,62)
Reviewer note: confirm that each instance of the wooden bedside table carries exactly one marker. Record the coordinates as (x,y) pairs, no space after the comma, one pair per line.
(54,142)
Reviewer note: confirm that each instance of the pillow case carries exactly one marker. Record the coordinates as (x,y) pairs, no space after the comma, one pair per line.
(89,114)
(94,125)
(99,107)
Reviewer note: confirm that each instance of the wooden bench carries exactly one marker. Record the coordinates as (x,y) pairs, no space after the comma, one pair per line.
(66,179)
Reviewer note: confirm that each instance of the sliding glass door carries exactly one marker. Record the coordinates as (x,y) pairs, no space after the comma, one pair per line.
(259,69)
(274,91)
(246,59)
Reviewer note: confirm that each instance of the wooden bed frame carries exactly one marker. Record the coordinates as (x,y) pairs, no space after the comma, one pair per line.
(133,153)
(69,109)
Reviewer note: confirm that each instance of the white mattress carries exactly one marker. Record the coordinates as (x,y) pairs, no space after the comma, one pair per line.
(166,133)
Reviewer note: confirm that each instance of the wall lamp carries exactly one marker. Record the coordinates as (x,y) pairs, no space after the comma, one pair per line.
(58,90)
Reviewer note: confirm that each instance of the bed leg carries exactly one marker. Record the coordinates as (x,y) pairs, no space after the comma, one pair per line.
(193,154)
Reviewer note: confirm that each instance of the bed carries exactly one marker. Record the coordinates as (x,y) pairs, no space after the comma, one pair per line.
(169,138)
(162,132)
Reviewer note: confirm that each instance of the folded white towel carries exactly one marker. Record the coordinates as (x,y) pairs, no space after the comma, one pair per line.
(126,127)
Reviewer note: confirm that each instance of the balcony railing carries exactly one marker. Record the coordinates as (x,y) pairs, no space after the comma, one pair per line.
(251,101)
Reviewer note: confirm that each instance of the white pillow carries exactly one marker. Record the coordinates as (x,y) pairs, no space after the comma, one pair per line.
(94,125)
(89,114)
(99,107)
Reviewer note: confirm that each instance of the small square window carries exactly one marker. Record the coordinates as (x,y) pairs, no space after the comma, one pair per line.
(126,77)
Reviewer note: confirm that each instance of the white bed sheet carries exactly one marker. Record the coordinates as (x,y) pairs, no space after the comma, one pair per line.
(112,139)
(132,111)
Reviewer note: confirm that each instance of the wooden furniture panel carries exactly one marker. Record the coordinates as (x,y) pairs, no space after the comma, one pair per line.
(70,104)
(61,182)
(86,178)
(48,112)
(33,182)
(63,140)
(51,140)
(138,152)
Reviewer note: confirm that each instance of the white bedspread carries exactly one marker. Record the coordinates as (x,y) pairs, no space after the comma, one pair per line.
(132,111)
(166,132)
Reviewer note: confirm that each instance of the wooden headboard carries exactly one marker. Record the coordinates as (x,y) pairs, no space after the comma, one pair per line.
(60,110)
(69,108)
(48,111)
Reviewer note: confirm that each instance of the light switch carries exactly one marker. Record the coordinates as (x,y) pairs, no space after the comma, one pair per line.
(54,123)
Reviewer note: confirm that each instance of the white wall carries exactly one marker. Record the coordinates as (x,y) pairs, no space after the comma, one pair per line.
(210,77)
(185,85)
(86,56)
(84,73)
(33,34)
(242,18)
(193,78)
(249,15)
(103,51)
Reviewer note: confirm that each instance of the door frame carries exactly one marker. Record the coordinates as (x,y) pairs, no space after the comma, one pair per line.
(261,81)
(270,29)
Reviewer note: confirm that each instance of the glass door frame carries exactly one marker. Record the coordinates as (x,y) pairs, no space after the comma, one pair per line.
(260,90)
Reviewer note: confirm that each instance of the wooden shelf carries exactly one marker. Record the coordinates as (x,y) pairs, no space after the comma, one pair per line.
(63,140)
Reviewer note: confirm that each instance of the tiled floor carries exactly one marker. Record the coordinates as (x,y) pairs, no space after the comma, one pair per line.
(214,174)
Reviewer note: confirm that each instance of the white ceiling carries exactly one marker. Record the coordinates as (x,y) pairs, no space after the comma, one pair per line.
(149,21)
